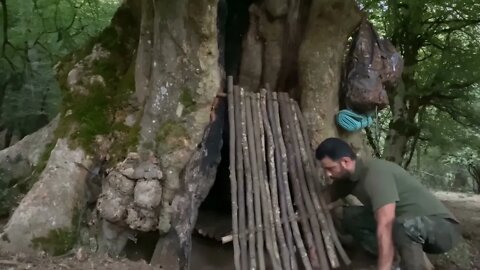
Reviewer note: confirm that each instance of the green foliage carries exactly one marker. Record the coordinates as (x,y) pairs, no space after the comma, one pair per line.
(439,41)
(38,33)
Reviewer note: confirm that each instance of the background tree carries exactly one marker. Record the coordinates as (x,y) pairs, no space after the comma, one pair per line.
(439,43)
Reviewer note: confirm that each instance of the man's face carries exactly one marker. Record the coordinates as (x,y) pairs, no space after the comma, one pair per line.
(337,170)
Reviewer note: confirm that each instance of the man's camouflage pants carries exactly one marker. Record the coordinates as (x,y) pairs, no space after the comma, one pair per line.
(412,237)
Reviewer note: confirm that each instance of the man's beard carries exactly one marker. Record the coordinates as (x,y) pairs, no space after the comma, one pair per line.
(344,176)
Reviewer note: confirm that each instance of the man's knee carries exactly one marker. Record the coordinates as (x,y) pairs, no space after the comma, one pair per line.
(435,235)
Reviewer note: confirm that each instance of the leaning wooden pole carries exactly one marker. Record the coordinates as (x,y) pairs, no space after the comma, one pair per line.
(285,190)
(311,161)
(309,179)
(316,230)
(249,183)
(282,175)
(267,215)
(296,185)
(252,146)
(241,180)
(273,183)
(233,175)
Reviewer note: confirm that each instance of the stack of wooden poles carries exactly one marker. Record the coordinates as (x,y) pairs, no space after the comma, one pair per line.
(278,216)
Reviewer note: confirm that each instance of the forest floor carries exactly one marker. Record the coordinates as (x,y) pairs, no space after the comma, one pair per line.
(210,256)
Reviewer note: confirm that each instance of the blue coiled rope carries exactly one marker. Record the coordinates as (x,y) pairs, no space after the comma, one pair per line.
(352,121)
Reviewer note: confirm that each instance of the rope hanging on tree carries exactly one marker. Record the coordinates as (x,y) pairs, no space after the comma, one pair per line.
(352,121)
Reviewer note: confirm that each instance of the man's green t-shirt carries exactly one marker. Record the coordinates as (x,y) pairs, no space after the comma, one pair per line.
(378,182)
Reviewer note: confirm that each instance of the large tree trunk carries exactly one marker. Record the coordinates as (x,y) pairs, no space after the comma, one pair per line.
(139,98)
(320,65)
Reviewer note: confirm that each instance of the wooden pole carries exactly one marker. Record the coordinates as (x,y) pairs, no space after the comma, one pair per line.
(289,212)
(282,174)
(252,146)
(273,183)
(267,215)
(233,176)
(331,227)
(306,226)
(309,179)
(248,178)
(241,184)
(304,190)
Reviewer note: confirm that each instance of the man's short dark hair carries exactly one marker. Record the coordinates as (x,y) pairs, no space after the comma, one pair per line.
(335,149)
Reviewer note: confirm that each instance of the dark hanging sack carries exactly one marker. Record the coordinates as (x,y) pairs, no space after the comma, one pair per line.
(372,65)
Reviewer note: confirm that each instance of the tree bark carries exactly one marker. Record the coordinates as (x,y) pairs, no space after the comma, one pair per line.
(321,57)
(402,127)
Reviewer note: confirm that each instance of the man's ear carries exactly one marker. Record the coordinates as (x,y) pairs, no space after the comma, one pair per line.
(344,161)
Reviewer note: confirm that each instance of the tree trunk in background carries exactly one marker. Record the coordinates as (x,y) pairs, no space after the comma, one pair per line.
(403,126)
(148,84)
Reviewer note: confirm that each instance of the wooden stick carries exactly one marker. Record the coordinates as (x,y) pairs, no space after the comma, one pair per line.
(309,179)
(252,146)
(272,248)
(248,178)
(304,190)
(233,175)
(273,183)
(282,174)
(240,178)
(285,191)
(331,226)
(304,219)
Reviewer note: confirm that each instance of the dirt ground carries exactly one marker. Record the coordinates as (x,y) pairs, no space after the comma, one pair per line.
(207,256)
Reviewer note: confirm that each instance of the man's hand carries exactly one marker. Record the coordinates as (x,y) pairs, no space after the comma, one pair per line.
(385,217)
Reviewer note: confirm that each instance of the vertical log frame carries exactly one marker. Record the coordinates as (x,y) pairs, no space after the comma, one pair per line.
(282,174)
(241,182)
(290,212)
(233,175)
(273,182)
(268,223)
(248,182)
(257,213)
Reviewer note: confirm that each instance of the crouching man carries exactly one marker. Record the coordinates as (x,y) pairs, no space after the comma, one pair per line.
(398,213)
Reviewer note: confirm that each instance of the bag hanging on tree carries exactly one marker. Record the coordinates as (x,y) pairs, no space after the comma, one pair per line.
(373,64)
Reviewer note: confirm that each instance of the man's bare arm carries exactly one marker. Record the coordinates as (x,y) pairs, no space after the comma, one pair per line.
(385,217)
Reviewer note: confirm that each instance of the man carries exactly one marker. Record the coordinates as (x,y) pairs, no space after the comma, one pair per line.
(398,213)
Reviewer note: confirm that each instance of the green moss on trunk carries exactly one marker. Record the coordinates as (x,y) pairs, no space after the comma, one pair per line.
(107,83)
(170,135)
(60,240)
